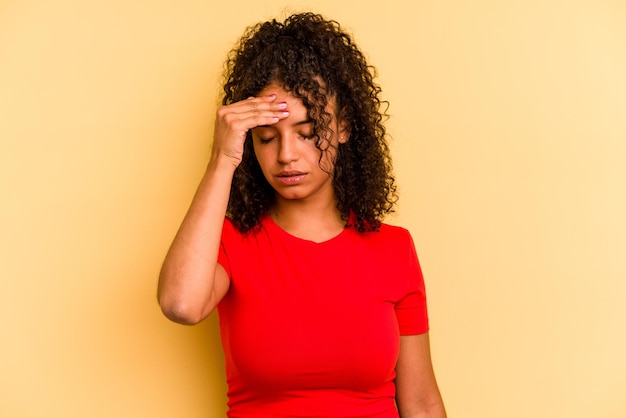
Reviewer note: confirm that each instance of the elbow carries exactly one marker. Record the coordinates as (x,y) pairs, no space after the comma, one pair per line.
(180,312)
(183,300)
(433,408)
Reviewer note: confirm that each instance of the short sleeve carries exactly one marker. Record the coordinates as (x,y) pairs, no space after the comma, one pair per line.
(411,309)
(228,234)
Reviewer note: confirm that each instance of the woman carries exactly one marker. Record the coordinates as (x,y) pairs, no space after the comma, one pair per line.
(322,306)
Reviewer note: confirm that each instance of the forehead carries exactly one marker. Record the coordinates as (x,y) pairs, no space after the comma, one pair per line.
(283,95)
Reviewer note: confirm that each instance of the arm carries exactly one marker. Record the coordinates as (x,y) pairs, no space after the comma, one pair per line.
(417,394)
(191,282)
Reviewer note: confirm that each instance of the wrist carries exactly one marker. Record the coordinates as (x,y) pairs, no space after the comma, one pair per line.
(222,163)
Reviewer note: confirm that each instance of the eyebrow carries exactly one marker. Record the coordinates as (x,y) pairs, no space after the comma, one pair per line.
(303,122)
(300,123)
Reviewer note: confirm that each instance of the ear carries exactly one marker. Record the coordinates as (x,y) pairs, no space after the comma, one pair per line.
(344,131)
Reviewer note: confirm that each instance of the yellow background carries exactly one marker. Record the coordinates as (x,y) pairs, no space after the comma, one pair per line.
(509,126)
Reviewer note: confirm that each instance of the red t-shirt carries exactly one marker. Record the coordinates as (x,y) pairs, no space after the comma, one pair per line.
(312,329)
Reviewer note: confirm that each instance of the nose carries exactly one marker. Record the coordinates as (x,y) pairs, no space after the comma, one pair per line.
(287,151)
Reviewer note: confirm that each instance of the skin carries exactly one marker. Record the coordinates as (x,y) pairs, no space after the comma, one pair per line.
(417,392)
(192,282)
(291,164)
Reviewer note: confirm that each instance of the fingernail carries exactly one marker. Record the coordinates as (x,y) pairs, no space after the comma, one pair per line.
(286,113)
(272,96)
(282,105)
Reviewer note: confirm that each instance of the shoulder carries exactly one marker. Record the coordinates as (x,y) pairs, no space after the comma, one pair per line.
(229,229)
(392,233)
(232,234)
(389,239)
(393,229)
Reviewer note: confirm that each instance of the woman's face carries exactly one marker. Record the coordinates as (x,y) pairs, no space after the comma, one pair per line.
(292,164)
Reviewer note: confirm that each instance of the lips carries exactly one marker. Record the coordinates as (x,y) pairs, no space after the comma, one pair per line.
(290,178)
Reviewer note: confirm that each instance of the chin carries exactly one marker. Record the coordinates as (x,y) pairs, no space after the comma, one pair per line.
(292,196)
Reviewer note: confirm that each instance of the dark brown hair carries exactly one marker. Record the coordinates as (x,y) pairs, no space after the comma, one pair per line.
(314,60)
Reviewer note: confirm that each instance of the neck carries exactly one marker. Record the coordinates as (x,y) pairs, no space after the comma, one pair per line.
(318,222)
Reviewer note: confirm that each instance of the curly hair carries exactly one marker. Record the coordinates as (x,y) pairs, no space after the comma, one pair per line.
(314,60)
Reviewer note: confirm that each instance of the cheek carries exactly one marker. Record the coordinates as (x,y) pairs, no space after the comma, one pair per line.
(329,156)
(263,157)
(258,151)
(327,163)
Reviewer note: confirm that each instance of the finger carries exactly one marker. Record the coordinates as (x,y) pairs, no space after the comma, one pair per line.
(261,103)
(244,121)
(254,119)
(253,107)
